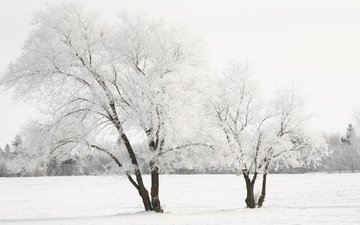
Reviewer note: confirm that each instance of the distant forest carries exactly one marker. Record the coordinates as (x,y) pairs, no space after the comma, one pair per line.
(16,162)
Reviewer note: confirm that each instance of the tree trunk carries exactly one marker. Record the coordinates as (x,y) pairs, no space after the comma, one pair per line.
(250,197)
(263,191)
(143,192)
(155,200)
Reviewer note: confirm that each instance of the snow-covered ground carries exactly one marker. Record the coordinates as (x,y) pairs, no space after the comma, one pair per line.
(187,199)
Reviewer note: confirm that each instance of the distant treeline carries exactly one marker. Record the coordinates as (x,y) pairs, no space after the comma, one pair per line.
(344,156)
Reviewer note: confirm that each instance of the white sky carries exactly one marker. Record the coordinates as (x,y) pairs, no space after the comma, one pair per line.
(314,44)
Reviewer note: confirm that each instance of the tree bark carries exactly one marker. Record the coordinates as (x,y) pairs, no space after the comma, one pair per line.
(250,197)
(155,200)
(143,192)
(263,191)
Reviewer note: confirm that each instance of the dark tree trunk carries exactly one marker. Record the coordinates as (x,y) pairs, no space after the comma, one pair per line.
(250,197)
(143,192)
(263,191)
(155,200)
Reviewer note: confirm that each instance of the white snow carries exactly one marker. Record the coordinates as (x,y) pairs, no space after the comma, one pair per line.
(187,199)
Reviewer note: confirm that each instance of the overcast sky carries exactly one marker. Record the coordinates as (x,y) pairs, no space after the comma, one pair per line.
(312,44)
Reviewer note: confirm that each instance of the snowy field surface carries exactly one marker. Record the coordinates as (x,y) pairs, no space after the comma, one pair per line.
(187,199)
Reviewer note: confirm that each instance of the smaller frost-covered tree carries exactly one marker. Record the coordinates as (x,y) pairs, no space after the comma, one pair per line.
(257,136)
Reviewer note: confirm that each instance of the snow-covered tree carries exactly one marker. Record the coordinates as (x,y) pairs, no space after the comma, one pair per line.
(155,84)
(26,158)
(350,149)
(259,135)
(3,157)
(17,157)
(98,82)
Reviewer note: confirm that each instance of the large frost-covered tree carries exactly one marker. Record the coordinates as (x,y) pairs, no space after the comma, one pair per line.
(154,88)
(96,81)
(257,134)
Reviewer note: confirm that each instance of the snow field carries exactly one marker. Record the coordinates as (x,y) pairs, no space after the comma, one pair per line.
(186,199)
